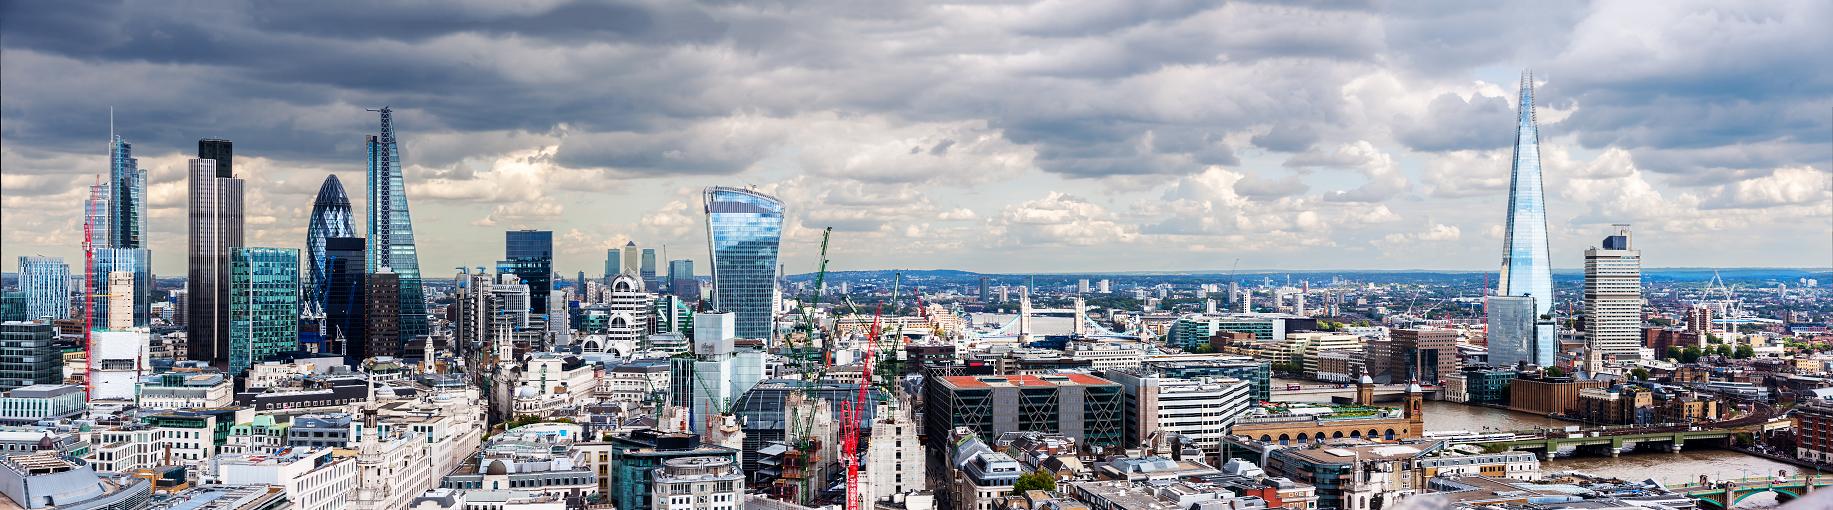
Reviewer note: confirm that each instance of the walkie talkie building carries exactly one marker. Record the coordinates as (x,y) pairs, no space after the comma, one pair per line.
(743,230)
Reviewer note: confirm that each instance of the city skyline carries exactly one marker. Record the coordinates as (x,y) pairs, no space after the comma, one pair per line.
(1351,151)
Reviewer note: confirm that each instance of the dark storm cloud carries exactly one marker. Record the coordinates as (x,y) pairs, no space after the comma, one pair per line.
(1097,89)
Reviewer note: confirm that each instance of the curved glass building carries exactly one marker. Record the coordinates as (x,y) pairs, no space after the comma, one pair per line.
(743,229)
(331,217)
(391,228)
(1526,264)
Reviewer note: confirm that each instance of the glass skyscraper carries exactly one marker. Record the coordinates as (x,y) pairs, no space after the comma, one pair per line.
(391,228)
(344,290)
(1526,263)
(744,228)
(263,305)
(128,209)
(529,254)
(115,218)
(331,217)
(45,282)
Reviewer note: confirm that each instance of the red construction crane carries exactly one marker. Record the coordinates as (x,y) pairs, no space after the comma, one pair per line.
(852,412)
(89,288)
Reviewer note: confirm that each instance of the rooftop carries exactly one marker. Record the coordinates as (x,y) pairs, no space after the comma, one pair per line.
(1024,381)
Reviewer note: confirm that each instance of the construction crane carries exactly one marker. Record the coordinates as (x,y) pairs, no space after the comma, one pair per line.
(851,413)
(808,308)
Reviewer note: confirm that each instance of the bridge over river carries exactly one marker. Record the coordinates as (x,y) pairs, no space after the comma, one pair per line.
(1611,440)
(1726,494)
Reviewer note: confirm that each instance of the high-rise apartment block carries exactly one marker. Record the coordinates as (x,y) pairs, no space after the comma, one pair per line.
(45,284)
(1613,300)
(744,228)
(263,305)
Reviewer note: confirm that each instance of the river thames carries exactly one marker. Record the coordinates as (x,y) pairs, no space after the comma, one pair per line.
(1664,467)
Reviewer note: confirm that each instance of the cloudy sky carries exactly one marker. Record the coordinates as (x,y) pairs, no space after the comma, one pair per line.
(1002,136)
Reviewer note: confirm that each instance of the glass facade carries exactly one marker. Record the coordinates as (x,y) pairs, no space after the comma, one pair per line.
(96,215)
(29,355)
(45,284)
(613,261)
(263,305)
(344,294)
(12,306)
(529,254)
(1526,263)
(136,261)
(331,217)
(128,200)
(391,228)
(1513,335)
(744,228)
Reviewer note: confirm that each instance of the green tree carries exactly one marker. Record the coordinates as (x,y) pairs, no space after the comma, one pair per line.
(1554,372)
(1640,374)
(1691,354)
(1723,350)
(1035,481)
(1744,352)
(1675,352)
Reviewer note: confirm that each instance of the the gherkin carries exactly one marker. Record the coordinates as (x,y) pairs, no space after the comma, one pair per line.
(331,217)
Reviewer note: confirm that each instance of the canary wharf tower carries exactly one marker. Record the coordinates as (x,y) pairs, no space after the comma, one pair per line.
(1526,263)
(391,229)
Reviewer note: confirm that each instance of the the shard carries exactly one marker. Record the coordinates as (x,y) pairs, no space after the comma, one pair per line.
(331,217)
(1526,264)
(391,228)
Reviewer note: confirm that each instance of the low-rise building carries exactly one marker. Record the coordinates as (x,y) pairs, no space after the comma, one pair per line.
(190,389)
(632,460)
(313,479)
(1616,405)
(698,483)
(536,458)
(978,477)
(1201,409)
(46,480)
(39,402)
(1354,477)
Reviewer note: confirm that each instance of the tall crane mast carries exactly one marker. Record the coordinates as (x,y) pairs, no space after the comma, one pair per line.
(851,413)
